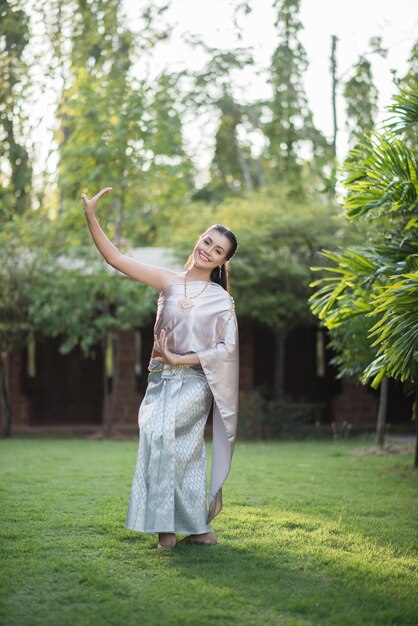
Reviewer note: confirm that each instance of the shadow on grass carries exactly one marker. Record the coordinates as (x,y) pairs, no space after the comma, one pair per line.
(260,581)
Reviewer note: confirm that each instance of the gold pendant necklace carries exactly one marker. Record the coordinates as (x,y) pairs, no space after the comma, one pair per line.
(186,304)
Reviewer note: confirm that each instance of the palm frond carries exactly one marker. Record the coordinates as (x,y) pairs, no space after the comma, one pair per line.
(404,109)
(383,173)
(396,331)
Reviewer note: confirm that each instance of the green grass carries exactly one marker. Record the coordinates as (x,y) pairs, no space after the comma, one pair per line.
(309,534)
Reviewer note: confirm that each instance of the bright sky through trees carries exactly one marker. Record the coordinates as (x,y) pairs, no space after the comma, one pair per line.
(354,22)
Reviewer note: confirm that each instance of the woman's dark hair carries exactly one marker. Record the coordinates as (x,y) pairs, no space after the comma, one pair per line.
(219,275)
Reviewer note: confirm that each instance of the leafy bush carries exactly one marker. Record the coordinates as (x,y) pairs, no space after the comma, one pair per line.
(261,417)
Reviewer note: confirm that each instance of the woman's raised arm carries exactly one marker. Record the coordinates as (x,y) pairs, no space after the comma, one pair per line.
(157,277)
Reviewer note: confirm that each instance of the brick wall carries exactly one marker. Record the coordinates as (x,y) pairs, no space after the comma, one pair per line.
(126,395)
(19,400)
(355,404)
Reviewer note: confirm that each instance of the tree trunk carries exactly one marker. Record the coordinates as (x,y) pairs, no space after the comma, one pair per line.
(115,382)
(382,412)
(107,397)
(244,168)
(416,427)
(119,220)
(6,404)
(279,364)
(333,60)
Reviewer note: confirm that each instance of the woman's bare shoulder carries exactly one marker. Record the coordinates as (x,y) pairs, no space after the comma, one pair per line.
(170,277)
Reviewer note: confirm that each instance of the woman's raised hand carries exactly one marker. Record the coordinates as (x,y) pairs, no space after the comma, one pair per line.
(90,205)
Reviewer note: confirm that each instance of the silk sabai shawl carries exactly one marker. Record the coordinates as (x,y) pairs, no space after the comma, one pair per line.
(210,330)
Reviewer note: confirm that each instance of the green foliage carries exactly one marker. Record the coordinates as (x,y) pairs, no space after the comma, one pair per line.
(71,294)
(396,332)
(383,175)
(379,281)
(290,128)
(233,169)
(261,417)
(15,165)
(15,295)
(405,108)
(279,237)
(115,129)
(350,343)
(82,302)
(361,102)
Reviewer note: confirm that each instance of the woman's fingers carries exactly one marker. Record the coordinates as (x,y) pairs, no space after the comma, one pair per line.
(91,204)
(101,193)
(161,342)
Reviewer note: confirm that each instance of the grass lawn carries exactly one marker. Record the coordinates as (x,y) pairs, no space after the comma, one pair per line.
(310,534)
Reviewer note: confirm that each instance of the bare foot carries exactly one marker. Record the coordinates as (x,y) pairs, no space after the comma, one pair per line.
(166,540)
(207,538)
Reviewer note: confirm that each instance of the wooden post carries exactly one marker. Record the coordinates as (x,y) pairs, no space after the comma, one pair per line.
(5,394)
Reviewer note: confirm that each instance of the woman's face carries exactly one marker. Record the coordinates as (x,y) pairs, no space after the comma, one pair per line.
(211,250)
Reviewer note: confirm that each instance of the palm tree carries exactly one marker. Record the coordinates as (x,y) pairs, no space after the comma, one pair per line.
(380,280)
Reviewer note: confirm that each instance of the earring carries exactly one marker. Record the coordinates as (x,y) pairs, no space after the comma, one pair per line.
(220,272)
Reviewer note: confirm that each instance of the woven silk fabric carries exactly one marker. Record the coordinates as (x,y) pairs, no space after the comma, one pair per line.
(169,489)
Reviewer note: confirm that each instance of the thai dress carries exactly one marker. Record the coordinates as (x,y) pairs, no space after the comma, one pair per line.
(168,491)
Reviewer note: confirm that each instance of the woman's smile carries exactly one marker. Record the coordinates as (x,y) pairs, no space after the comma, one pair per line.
(203,257)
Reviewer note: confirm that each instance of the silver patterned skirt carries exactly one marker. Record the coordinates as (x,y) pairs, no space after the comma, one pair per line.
(168,491)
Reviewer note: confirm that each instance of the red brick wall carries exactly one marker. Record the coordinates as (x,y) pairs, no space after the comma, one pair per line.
(126,397)
(356,404)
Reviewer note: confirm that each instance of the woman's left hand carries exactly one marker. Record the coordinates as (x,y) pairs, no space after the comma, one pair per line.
(166,355)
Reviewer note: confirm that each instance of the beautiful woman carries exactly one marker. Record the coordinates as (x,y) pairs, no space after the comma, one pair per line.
(193,367)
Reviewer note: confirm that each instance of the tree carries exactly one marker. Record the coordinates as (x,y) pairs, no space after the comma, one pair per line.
(361,101)
(291,128)
(343,303)
(382,181)
(16,324)
(15,163)
(233,169)
(114,128)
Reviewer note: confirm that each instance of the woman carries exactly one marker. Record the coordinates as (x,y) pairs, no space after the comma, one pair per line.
(193,366)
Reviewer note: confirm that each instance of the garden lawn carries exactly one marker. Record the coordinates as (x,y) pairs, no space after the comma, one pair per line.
(310,534)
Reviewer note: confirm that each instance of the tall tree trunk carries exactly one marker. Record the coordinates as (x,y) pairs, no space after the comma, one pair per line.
(260,178)
(107,396)
(115,382)
(120,209)
(333,60)
(5,394)
(244,168)
(382,412)
(279,364)
(416,427)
